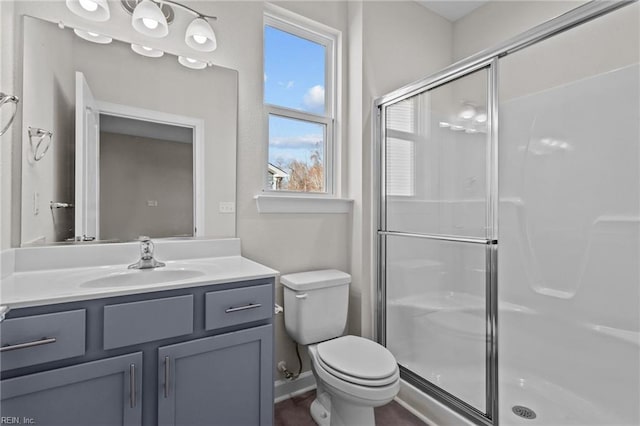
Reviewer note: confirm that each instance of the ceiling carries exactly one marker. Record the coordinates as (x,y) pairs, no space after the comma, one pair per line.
(452,10)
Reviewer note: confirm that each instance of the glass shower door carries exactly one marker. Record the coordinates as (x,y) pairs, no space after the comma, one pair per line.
(437,238)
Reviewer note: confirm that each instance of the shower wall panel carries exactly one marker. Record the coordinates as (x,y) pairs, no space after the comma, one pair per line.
(569,226)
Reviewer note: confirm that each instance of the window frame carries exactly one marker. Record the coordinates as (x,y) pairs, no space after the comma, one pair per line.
(305,28)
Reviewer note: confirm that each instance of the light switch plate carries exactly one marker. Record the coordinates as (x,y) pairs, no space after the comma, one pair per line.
(227,207)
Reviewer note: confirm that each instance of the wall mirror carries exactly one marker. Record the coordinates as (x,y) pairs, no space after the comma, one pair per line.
(118,145)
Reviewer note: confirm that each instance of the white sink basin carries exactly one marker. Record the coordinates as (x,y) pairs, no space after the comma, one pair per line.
(142,277)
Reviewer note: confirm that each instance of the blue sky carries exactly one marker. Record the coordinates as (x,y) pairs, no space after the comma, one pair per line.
(293,78)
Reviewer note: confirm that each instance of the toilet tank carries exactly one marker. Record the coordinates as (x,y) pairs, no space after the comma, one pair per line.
(315,305)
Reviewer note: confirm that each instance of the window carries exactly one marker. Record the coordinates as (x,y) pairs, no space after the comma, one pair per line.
(400,148)
(299,96)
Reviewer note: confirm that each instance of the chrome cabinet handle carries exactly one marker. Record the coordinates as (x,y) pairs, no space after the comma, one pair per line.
(243,308)
(167,365)
(4,310)
(43,341)
(132,385)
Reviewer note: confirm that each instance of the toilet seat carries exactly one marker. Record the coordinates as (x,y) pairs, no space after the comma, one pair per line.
(358,360)
(365,393)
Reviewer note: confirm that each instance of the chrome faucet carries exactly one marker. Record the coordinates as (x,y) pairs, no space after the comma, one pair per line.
(147,260)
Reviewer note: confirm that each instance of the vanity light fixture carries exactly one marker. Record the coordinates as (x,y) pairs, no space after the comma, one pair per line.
(147,51)
(149,20)
(152,18)
(192,63)
(94,10)
(93,37)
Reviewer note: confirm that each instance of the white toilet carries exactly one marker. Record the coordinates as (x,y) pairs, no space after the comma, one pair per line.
(353,374)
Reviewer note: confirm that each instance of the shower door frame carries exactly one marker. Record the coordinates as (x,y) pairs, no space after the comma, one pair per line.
(490,242)
(488,59)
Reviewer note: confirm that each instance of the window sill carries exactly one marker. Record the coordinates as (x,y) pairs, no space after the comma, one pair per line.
(301,204)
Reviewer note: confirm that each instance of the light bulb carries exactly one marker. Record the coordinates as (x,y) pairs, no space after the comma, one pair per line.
(89,5)
(93,37)
(93,10)
(192,63)
(481,117)
(150,23)
(200,39)
(467,112)
(149,20)
(149,52)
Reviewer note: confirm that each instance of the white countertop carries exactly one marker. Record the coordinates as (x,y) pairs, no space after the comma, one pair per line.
(26,286)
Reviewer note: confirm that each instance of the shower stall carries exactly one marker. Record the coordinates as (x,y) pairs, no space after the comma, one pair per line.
(509,226)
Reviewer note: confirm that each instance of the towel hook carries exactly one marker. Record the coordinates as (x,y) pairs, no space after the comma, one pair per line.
(10,100)
(37,138)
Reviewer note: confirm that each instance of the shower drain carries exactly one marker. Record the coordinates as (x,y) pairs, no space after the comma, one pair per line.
(524,412)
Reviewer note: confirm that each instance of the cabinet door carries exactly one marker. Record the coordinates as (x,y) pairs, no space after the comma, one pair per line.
(105,392)
(220,380)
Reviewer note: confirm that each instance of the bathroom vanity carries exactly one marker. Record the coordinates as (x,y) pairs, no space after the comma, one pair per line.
(184,348)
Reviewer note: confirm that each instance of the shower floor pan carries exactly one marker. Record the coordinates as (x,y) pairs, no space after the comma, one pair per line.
(552,404)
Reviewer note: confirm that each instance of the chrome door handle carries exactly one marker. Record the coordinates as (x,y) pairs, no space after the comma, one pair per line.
(243,308)
(301,296)
(132,385)
(167,365)
(43,341)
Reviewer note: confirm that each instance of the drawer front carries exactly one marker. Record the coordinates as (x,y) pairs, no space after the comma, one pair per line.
(138,322)
(38,339)
(239,305)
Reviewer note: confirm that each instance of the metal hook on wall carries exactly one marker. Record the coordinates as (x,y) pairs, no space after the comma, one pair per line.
(37,138)
(9,100)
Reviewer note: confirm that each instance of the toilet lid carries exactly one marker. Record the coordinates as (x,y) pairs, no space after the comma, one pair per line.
(358,357)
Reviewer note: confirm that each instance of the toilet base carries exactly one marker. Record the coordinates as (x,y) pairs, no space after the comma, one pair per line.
(344,413)
(321,409)
(326,412)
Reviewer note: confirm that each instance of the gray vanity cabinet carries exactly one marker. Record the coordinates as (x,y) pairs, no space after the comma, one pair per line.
(207,351)
(99,392)
(221,380)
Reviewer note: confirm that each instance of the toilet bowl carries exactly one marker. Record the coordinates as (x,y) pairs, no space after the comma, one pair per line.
(353,374)
(357,374)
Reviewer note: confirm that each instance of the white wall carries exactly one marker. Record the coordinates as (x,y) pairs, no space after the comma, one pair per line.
(498,21)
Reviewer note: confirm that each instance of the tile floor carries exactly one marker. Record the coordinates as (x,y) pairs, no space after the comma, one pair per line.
(295,412)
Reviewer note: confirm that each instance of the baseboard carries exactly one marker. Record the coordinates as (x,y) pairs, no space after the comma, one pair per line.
(285,389)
